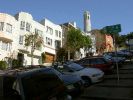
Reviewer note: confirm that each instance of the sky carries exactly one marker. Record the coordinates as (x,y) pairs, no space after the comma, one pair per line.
(103,12)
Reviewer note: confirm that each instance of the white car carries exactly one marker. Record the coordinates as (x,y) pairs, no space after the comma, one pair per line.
(88,75)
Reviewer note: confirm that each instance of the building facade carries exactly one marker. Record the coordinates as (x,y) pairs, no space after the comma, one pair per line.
(12,38)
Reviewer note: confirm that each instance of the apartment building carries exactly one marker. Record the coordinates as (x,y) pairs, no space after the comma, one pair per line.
(8,36)
(52,39)
(12,38)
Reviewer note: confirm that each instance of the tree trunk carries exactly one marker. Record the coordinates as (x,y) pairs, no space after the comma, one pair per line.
(68,54)
(32,52)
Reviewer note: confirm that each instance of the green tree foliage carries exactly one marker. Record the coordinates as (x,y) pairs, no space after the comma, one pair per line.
(35,41)
(15,63)
(3,65)
(61,54)
(129,36)
(86,42)
(75,40)
(121,40)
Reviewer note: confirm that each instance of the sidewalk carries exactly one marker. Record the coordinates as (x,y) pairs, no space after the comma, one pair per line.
(111,88)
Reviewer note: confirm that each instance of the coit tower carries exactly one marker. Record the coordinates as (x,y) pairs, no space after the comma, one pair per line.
(87,22)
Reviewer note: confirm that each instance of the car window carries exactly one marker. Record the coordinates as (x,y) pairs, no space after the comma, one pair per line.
(40,85)
(85,61)
(65,69)
(53,71)
(97,61)
(75,67)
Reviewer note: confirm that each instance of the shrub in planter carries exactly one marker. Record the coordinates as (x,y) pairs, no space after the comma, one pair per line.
(3,65)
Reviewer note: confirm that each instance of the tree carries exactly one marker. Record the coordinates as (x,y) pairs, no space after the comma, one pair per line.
(86,42)
(129,36)
(35,41)
(75,40)
(61,55)
(121,40)
(100,40)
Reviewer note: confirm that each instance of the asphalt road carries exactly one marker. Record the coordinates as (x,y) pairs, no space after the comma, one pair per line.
(110,88)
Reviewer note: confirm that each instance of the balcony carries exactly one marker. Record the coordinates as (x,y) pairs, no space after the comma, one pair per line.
(6,37)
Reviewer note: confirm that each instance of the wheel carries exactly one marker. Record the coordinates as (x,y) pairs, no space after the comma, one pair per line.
(87,81)
(64,97)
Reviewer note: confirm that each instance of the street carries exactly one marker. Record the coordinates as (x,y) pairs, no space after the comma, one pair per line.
(110,88)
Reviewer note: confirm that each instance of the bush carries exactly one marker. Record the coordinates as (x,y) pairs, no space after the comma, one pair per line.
(43,55)
(15,63)
(3,65)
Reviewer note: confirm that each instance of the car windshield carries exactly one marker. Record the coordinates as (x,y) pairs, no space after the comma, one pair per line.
(75,67)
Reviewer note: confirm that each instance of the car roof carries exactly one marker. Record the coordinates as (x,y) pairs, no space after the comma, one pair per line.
(21,72)
(93,57)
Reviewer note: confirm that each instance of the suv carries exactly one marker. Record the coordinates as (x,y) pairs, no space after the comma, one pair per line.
(33,84)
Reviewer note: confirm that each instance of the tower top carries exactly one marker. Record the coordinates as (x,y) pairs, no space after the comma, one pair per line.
(86,12)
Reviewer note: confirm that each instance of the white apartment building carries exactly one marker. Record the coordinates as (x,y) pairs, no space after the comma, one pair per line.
(12,40)
(52,39)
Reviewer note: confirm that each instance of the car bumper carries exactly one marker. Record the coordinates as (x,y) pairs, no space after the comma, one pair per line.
(97,79)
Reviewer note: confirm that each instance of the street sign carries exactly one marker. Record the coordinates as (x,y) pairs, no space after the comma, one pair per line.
(112,29)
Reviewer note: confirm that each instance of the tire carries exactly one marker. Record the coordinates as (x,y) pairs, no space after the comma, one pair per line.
(87,81)
(64,97)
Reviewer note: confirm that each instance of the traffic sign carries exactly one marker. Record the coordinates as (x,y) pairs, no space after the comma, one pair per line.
(112,29)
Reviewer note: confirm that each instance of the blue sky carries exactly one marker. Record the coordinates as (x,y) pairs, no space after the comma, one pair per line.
(103,12)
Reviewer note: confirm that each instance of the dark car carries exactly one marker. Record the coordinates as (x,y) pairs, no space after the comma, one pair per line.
(33,84)
(115,59)
(96,62)
(72,82)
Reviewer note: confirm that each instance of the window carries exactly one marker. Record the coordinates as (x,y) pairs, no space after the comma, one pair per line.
(57,44)
(49,30)
(22,25)
(9,28)
(59,34)
(38,31)
(28,27)
(1,26)
(6,46)
(56,33)
(48,41)
(21,39)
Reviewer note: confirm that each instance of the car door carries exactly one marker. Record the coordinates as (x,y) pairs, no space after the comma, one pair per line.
(41,86)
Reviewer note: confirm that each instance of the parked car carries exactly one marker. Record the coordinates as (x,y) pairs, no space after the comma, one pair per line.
(73,82)
(88,75)
(33,84)
(115,59)
(97,62)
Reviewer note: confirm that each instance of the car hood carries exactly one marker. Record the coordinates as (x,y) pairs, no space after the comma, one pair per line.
(70,79)
(90,71)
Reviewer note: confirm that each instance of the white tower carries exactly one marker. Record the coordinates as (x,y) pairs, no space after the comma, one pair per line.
(87,22)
